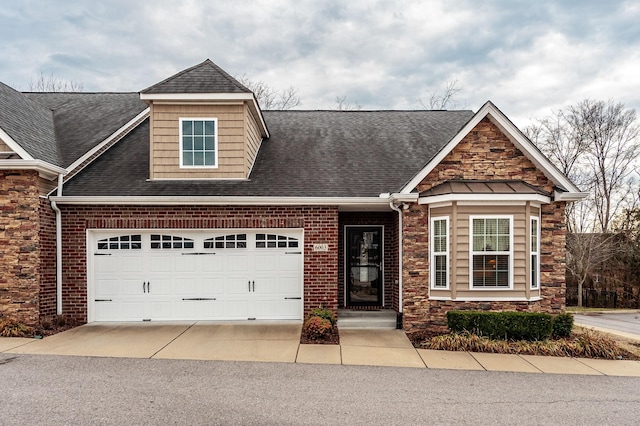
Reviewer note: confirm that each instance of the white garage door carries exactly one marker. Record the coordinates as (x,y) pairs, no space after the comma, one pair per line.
(195,275)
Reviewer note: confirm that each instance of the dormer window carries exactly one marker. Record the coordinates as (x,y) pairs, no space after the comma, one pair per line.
(198,142)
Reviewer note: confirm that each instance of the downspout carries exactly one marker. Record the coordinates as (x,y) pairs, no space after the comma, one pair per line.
(399,210)
(58,247)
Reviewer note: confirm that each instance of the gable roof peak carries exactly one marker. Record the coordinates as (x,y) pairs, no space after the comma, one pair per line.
(205,77)
(515,135)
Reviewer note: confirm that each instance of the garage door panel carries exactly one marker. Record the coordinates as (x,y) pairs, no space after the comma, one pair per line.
(133,310)
(107,288)
(237,309)
(132,287)
(130,263)
(212,286)
(235,262)
(212,263)
(160,286)
(236,286)
(162,262)
(289,262)
(266,262)
(108,310)
(197,277)
(188,286)
(289,286)
(162,309)
(186,263)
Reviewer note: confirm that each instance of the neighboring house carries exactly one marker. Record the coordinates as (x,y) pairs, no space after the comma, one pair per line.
(186,201)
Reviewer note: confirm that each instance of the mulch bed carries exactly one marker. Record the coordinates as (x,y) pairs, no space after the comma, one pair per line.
(332,339)
(418,339)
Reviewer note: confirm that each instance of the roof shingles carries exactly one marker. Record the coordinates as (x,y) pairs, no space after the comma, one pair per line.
(309,154)
(205,77)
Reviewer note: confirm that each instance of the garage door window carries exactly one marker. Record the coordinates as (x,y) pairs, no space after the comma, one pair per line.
(122,242)
(170,242)
(231,241)
(275,241)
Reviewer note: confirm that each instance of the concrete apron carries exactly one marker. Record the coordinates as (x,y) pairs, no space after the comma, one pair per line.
(264,341)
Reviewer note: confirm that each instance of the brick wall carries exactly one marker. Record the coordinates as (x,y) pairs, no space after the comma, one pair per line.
(485,153)
(19,246)
(320,225)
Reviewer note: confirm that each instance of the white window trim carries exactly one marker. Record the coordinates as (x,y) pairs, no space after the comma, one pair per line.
(432,274)
(536,253)
(215,141)
(509,253)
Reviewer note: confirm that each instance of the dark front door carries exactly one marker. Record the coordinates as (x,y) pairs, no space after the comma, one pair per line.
(364,265)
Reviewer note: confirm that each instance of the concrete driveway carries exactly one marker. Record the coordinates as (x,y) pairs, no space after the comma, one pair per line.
(201,340)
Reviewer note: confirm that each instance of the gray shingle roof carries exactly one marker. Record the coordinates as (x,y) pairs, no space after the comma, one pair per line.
(83,120)
(28,123)
(205,77)
(309,154)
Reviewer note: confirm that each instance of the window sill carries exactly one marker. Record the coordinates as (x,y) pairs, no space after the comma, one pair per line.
(486,299)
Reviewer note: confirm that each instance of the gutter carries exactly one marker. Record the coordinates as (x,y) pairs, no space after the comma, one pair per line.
(223,201)
(58,213)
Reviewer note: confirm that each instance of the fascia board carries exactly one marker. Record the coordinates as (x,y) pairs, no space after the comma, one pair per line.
(117,134)
(514,135)
(529,149)
(406,198)
(196,96)
(46,170)
(15,146)
(502,198)
(224,201)
(569,196)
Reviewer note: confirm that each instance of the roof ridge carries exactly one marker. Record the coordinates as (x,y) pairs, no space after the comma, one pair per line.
(226,75)
(220,74)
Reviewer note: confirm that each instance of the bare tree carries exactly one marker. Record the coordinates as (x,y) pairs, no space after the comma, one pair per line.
(596,144)
(586,254)
(271,98)
(614,146)
(343,105)
(443,99)
(53,83)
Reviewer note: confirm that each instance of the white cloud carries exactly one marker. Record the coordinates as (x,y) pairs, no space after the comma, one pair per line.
(528,57)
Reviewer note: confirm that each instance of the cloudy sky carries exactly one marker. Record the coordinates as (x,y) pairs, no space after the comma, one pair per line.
(528,57)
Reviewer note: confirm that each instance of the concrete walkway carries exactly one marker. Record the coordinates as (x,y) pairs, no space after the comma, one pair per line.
(279,342)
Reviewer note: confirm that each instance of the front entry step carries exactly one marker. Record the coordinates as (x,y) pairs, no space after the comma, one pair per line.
(383,318)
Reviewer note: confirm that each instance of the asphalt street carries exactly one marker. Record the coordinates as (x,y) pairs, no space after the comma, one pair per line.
(48,390)
(624,322)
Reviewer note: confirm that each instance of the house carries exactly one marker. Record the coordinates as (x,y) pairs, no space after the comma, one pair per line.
(186,201)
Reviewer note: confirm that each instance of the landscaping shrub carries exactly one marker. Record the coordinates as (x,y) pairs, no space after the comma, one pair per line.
(502,325)
(594,345)
(11,328)
(562,325)
(588,345)
(317,328)
(323,313)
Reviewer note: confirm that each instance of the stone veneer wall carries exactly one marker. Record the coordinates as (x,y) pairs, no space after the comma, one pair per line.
(19,246)
(485,153)
(320,225)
